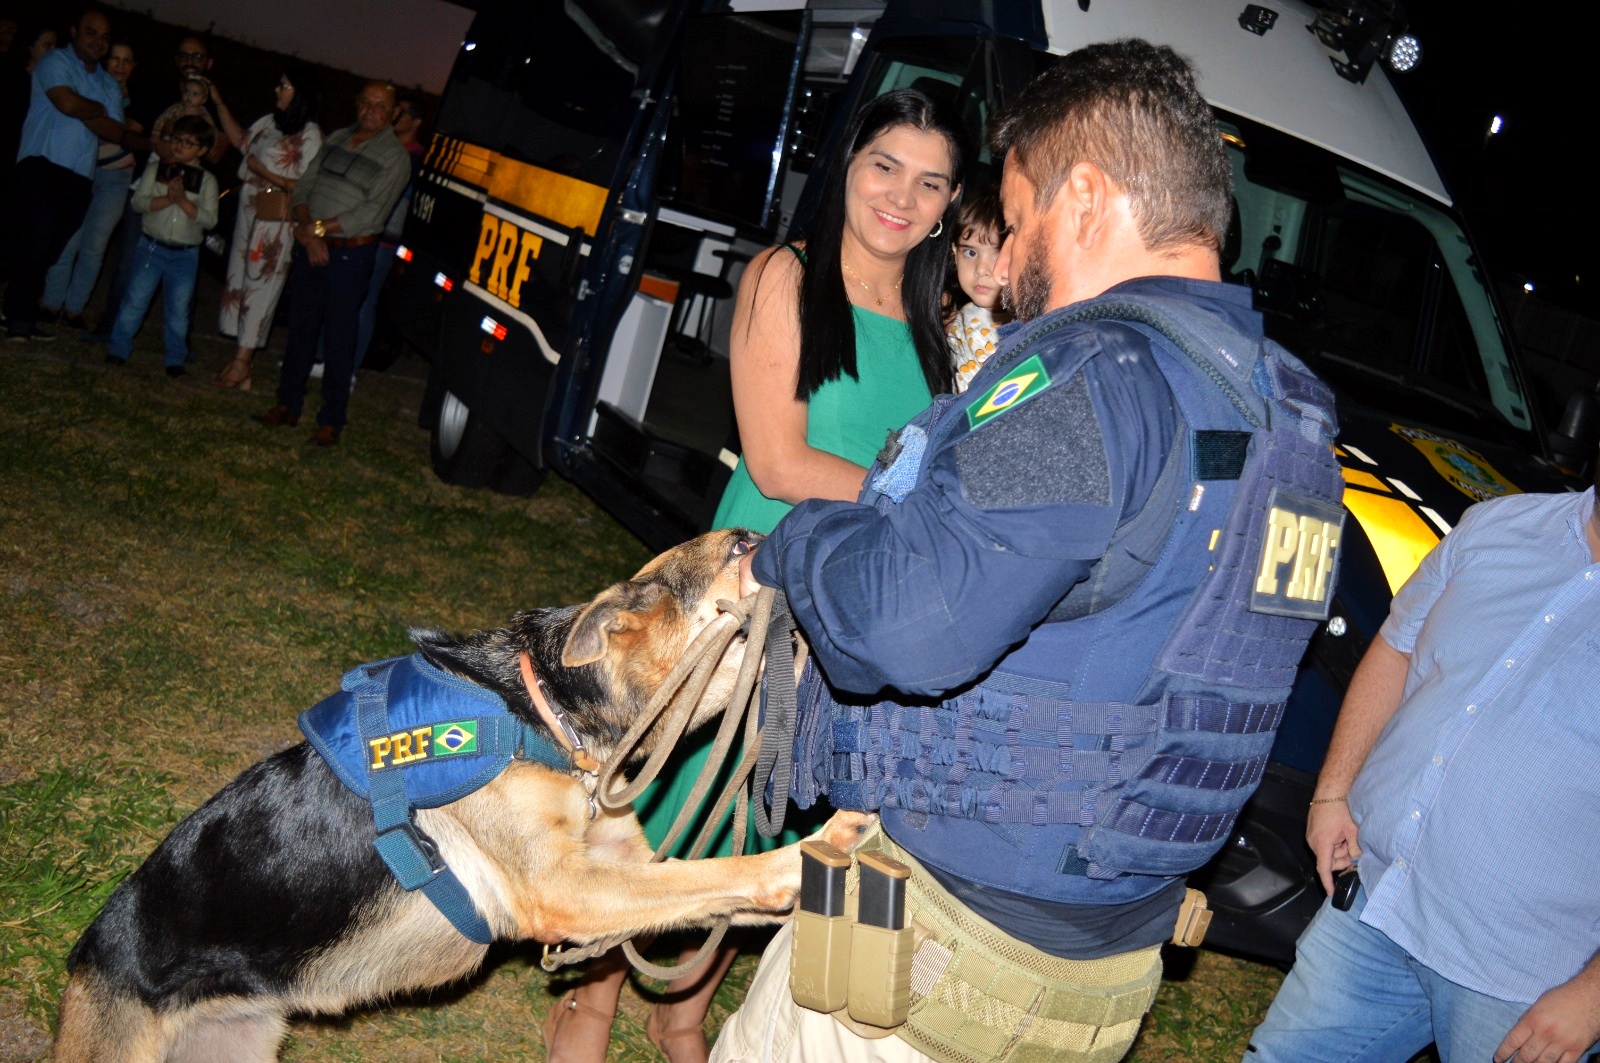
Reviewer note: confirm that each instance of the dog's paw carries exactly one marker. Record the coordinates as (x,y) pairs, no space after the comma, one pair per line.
(844,830)
(781,890)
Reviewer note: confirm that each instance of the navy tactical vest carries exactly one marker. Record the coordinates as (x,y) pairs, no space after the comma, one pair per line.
(404,735)
(1115,748)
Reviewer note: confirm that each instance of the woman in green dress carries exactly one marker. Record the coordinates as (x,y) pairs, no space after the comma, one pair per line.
(834,343)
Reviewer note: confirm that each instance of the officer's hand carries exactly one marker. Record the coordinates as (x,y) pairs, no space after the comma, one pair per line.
(748,584)
(1331,833)
(1560,1026)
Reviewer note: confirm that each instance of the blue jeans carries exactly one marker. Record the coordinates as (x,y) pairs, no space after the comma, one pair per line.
(71,280)
(367,320)
(1354,996)
(324,302)
(173,270)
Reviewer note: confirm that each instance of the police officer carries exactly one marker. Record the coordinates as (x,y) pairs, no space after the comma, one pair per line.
(1052,642)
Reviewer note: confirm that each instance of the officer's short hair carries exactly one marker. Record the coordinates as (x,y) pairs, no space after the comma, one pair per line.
(1133,109)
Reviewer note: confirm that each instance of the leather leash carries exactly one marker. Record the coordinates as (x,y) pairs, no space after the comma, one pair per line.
(673,705)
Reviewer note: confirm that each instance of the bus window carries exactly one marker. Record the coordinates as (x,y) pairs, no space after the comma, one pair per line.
(561,98)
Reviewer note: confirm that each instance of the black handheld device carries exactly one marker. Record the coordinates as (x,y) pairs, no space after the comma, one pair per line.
(1345,884)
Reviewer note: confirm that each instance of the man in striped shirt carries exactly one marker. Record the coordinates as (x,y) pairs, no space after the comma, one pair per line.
(1463,781)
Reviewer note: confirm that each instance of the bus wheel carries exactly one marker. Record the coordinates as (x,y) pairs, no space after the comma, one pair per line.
(466,452)
(519,476)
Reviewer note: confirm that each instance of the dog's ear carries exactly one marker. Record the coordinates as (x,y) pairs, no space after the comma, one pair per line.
(625,607)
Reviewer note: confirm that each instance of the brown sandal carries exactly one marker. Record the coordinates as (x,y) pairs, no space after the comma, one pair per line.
(696,1051)
(237,373)
(568,1006)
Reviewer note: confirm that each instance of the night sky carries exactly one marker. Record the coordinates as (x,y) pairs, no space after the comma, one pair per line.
(1528,197)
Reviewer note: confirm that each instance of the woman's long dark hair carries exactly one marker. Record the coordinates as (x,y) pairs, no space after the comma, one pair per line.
(306,107)
(827,329)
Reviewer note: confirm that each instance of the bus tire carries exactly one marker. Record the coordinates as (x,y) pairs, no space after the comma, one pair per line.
(518,476)
(466,451)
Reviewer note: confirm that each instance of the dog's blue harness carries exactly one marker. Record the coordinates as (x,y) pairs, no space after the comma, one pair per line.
(405,735)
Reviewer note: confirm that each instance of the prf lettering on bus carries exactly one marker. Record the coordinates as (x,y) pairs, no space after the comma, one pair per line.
(505,258)
(402,747)
(1299,557)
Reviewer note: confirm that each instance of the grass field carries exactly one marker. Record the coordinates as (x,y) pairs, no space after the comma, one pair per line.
(177,583)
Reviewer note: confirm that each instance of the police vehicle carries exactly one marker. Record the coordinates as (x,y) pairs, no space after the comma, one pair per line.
(602,169)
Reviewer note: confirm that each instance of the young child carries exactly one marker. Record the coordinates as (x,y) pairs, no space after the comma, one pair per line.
(977,247)
(179,203)
(191,101)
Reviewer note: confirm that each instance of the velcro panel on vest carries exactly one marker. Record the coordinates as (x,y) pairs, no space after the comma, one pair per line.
(448,736)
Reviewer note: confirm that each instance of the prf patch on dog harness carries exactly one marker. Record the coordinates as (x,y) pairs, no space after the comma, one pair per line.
(1299,557)
(1015,388)
(400,748)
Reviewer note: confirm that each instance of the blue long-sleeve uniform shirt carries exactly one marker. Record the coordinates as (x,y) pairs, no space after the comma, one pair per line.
(1005,519)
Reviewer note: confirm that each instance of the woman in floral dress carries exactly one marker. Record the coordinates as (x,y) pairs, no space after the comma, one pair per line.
(276,149)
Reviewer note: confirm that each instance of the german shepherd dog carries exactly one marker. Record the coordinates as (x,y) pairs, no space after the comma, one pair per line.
(271,900)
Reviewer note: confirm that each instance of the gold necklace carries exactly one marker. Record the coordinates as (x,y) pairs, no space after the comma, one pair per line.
(876,298)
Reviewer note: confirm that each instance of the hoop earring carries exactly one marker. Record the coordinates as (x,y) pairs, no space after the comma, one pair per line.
(938,230)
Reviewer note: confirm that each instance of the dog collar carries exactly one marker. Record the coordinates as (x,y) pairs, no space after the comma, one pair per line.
(557,721)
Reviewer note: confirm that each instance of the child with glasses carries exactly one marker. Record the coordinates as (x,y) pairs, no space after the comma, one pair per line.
(178,203)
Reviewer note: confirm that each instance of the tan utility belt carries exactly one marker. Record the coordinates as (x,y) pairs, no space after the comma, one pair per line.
(880,946)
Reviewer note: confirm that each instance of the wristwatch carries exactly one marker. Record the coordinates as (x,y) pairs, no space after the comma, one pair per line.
(319,229)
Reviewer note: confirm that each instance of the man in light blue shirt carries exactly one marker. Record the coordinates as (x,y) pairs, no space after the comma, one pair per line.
(1463,780)
(75,104)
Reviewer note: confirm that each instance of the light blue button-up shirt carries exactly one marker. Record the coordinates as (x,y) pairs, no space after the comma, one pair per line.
(67,142)
(1479,808)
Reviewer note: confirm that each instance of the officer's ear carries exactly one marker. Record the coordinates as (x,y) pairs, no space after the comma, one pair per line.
(1092,204)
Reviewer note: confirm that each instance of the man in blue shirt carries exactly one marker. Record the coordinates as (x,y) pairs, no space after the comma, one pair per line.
(1463,782)
(1036,639)
(75,104)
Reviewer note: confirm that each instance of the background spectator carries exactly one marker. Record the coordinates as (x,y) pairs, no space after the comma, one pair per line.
(277,148)
(339,206)
(178,203)
(73,105)
(71,280)
(29,44)
(408,118)
(192,60)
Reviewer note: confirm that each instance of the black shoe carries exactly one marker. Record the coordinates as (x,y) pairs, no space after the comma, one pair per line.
(74,321)
(176,371)
(32,335)
(47,317)
(112,359)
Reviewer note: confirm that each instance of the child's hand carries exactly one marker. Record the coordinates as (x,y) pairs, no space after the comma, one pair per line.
(175,189)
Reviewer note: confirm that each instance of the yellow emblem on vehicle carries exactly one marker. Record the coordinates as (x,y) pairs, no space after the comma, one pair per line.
(1461,467)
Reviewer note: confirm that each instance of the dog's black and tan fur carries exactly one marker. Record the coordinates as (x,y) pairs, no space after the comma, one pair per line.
(270,899)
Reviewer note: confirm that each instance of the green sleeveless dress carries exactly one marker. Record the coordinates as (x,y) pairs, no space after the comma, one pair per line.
(848,417)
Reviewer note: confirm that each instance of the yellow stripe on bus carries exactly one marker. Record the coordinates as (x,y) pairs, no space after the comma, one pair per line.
(1399,537)
(564,200)
(1364,479)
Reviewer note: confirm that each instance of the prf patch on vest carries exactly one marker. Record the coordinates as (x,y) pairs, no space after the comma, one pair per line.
(429,742)
(1299,557)
(1015,388)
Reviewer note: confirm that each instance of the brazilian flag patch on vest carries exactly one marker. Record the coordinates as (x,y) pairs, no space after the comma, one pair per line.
(1017,387)
(428,742)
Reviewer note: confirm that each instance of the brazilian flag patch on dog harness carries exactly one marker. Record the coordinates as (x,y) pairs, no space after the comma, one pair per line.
(405,735)
(1015,388)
